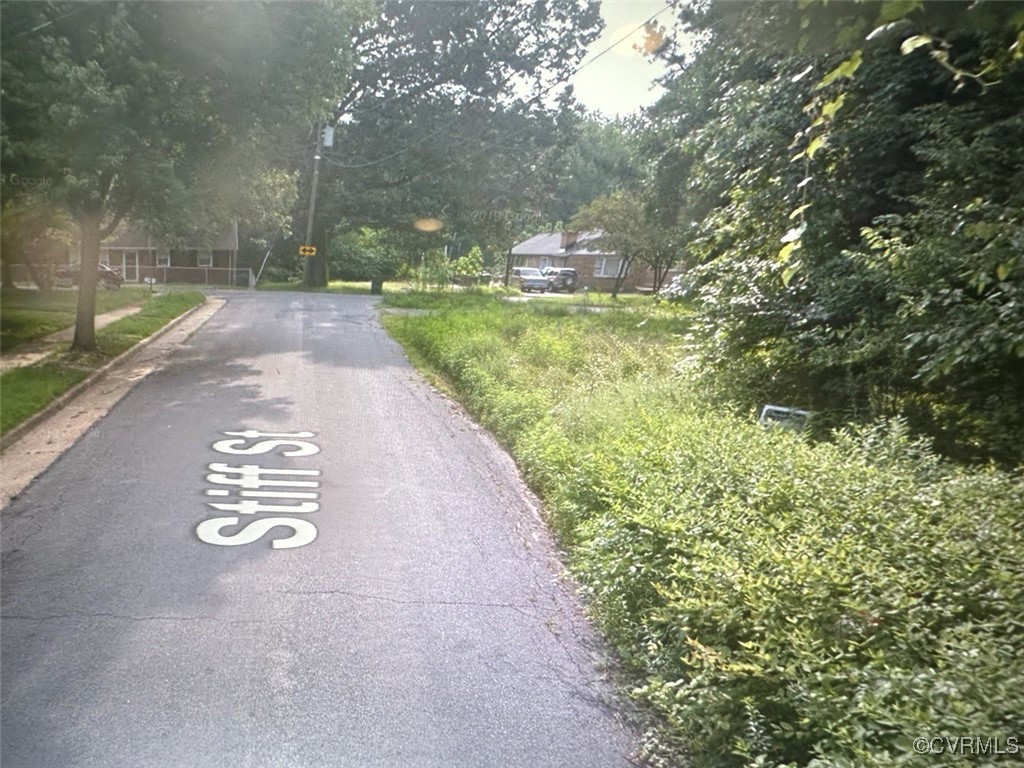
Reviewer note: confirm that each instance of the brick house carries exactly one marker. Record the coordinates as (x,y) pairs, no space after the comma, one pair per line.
(596,267)
(137,255)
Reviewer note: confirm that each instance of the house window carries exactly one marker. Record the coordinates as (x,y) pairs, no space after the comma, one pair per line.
(545,262)
(163,257)
(205,258)
(607,266)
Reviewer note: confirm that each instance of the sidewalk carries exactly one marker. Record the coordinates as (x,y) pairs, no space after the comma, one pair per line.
(33,352)
(31,447)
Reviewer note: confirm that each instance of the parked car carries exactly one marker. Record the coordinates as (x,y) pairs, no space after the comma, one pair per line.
(562,279)
(530,279)
(69,276)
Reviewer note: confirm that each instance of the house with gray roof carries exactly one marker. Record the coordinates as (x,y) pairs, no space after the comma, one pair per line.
(597,268)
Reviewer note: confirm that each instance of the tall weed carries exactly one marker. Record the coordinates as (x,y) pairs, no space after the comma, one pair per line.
(782,603)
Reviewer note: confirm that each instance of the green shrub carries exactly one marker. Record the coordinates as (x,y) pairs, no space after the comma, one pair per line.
(781,602)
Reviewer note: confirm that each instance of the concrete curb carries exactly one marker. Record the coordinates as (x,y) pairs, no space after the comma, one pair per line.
(63,400)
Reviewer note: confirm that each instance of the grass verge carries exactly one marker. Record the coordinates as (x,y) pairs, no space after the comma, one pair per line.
(27,315)
(26,391)
(780,602)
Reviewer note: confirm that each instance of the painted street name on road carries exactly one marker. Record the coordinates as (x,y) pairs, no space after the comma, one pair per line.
(250,489)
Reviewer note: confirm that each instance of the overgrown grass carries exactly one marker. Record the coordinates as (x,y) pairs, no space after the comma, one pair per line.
(27,315)
(431,300)
(26,391)
(410,298)
(781,602)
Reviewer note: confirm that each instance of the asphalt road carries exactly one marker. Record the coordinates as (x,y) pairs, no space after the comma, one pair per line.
(379,591)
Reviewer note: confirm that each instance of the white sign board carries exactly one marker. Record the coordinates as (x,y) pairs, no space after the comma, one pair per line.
(790,418)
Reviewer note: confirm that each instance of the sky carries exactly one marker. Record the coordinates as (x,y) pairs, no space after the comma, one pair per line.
(621,81)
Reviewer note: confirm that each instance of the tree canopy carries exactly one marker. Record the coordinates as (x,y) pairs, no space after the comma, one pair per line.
(163,113)
(851,194)
(455,113)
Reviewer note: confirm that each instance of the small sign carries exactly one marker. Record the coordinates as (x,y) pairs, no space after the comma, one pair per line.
(307,250)
(789,418)
(149,280)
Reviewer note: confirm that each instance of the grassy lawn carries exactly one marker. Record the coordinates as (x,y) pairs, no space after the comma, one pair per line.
(778,600)
(28,315)
(26,391)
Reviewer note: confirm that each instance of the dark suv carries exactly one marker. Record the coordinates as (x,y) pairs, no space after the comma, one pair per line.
(562,279)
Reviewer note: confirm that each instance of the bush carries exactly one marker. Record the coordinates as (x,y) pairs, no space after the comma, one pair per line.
(781,603)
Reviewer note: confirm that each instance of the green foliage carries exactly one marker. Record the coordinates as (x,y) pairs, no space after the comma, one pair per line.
(627,230)
(854,218)
(471,264)
(154,315)
(165,114)
(435,270)
(451,114)
(780,602)
(18,326)
(597,159)
(365,254)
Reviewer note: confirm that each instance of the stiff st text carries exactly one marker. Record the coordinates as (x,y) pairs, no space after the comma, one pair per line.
(253,489)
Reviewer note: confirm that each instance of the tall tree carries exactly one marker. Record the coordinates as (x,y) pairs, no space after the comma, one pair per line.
(625,229)
(131,110)
(852,213)
(598,158)
(450,110)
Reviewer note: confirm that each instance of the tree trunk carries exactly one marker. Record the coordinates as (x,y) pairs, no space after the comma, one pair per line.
(660,273)
(376,287)
(623,271)
(40,274)
(314,274)
(6,275)
(85,318)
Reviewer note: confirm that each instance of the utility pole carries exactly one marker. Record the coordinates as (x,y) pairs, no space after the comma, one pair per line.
(314,273)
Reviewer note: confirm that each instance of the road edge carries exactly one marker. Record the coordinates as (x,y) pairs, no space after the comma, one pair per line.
(62,401)
(28,464)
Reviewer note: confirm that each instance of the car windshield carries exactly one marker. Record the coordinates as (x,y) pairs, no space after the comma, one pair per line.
(530,273)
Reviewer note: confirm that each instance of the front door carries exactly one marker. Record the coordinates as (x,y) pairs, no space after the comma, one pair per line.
(130,271)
